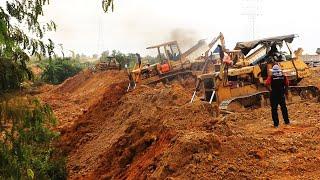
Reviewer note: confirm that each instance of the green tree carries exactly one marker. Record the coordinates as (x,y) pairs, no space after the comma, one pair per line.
(121,57)
(55,71)
(95,56)
(26,151)
(78,57)
(104,55)
(151,59)
(21,35)
(131,60)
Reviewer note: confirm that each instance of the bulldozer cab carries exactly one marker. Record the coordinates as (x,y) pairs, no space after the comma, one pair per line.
(168,66)
(169,56)
(275,50)
(271,49)
(110,63)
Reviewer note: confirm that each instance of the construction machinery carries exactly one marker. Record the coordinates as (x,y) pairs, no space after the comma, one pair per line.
(240,82)
(199,54)
(110,63)
(312,60)
(171,63)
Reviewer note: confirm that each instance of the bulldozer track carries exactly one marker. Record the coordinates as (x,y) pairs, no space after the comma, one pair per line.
(305,93)
(246,101)
(170,77)
(305,90)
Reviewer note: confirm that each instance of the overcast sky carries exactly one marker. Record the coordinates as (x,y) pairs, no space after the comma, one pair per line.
(136,24)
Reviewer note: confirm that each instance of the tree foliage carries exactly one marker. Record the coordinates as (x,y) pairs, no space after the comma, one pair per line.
(26,151)
(55,71)
(21,35)
(107,5)
(123,59)
(104,55)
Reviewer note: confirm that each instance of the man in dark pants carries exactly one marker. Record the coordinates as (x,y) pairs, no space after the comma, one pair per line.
(279,88)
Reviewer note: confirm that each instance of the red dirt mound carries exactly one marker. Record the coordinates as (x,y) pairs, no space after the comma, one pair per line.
(143,118)
(88,123)
(70,99)
(154,132)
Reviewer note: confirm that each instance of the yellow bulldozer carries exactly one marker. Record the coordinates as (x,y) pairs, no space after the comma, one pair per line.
(110,63)
(240,83)
(171,63)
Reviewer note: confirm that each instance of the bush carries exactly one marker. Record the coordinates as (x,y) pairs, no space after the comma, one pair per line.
(26,150)
(57,70)
(12,73)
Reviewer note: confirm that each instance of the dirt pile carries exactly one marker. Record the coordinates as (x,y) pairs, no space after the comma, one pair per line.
(154,132)
(118,131)
(314,79)
(70,99)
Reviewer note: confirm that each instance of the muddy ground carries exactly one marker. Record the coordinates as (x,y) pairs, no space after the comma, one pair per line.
(155,133)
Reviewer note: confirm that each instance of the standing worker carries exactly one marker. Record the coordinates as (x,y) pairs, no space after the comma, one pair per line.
(138,59)
(278,86)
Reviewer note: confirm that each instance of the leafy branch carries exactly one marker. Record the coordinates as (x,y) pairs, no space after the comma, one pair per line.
(22,35)
(107,5)
(26,151)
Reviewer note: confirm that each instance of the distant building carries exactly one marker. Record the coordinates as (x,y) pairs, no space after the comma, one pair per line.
(318,51)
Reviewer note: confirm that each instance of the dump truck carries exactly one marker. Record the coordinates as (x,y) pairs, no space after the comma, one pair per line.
(171,63)
(241,83)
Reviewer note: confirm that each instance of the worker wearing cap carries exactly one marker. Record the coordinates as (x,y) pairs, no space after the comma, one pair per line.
(278,86)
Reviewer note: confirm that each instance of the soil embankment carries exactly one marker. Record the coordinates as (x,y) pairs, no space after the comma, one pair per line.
(154,132)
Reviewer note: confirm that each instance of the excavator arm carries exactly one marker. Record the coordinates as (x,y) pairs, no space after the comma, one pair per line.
(222,73)
(214,41)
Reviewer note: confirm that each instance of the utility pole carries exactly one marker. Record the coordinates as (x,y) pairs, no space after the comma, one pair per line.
(62,50)
(100,39)
(252,9)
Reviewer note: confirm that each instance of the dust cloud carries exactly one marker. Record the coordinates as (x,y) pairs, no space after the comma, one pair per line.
(185,37)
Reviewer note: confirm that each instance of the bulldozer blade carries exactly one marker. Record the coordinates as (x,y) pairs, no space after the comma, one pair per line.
(128,87)
(211,99)
(193,96)
(131,85)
